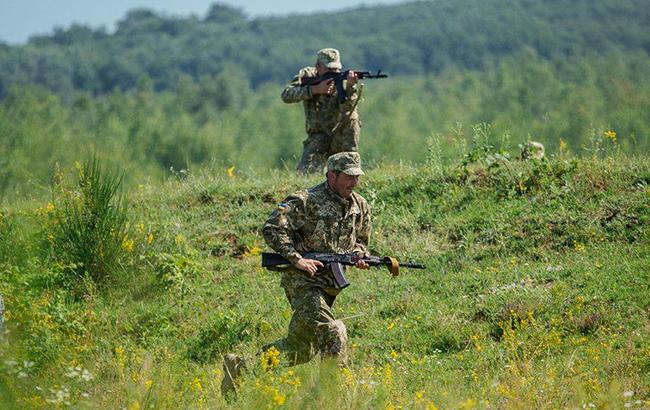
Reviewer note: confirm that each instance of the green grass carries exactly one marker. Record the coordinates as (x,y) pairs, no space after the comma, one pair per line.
(536,294)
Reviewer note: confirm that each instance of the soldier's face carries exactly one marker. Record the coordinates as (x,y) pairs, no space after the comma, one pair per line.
(343,184)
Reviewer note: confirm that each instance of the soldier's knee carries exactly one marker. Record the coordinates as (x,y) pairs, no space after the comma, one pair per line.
(338,327)
(335,340)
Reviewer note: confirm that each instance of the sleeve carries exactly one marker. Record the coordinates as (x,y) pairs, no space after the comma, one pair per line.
(294,92)
(363,232)
(281,227)
(353,93)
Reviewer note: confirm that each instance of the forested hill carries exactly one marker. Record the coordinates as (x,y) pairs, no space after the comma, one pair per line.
(413,38)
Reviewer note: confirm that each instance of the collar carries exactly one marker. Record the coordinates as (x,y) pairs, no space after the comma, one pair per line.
(350,204)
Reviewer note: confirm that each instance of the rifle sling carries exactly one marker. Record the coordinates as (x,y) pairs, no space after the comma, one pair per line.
(394,266)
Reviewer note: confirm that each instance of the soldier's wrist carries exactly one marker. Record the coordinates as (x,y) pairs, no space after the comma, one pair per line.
(293,257)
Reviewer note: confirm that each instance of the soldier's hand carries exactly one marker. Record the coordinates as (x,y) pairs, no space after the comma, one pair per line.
(310,266)
(352,78)
(361,264)
(324,87)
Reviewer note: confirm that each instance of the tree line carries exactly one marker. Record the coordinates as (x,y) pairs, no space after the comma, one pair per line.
(417,38)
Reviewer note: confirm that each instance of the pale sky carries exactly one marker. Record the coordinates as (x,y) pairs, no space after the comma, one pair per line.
(20,19)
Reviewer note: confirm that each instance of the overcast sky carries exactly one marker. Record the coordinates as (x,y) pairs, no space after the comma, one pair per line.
(20,19)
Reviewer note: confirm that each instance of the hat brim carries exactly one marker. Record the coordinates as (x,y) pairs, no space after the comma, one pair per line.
(334,64)
(355,171)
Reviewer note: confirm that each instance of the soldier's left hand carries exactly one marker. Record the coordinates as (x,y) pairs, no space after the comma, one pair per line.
(361,264)
(352,78)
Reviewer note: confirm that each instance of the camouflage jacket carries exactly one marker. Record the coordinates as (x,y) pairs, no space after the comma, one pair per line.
(322,112)
(318,220)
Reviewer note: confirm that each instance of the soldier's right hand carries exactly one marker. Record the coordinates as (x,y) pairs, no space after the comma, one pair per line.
(310,266)
(324,87)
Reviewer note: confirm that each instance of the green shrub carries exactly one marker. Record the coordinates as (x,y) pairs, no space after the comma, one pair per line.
(218,337)
(6,236)
(91,224)
(172,270)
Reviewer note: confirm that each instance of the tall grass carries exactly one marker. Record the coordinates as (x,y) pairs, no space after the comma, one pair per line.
(90,228)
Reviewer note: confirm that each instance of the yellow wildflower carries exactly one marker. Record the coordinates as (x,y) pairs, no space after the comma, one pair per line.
(419,396)
(390,326)
(563,145)
(468,404)
(49,208)
(134,406)
(196,385)
(121,360)
(388,374)
(127,244)
(270,359)
(252,251)
(611,135)
(231,172)
(278,399)
(348,375)
(149,239)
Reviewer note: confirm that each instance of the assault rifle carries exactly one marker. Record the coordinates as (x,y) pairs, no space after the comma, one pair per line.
(338,78)
(335,262)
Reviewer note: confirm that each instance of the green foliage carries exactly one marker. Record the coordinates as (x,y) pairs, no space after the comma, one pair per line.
(173,271)
(7,234)
(543,288)
(89,232)
(219,336)
(405,39)
(574,106)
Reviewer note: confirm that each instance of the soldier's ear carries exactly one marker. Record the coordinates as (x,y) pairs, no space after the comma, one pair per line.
(331,177)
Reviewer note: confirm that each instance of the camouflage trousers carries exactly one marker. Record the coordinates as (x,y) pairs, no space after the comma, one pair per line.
(313,328)
(320,145)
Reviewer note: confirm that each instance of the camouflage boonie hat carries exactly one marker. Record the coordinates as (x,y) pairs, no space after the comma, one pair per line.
(329,57)
(347,162)
(532,150)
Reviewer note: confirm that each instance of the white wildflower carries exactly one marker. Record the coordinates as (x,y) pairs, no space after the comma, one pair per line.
(72,373)
(86,375)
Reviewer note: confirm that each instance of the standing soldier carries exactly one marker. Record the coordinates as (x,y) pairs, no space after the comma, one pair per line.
(331,127)
(329,217)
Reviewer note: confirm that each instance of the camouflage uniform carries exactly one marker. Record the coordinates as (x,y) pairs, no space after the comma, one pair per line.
(317,220)
(331,127)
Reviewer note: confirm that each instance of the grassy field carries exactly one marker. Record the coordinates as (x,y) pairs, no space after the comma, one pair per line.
(536,293)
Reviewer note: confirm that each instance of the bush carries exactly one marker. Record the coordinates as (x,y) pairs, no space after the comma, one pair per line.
(219,336)
(90,224)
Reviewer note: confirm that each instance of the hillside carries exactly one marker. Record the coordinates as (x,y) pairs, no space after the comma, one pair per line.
(415,38)
(536,293)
